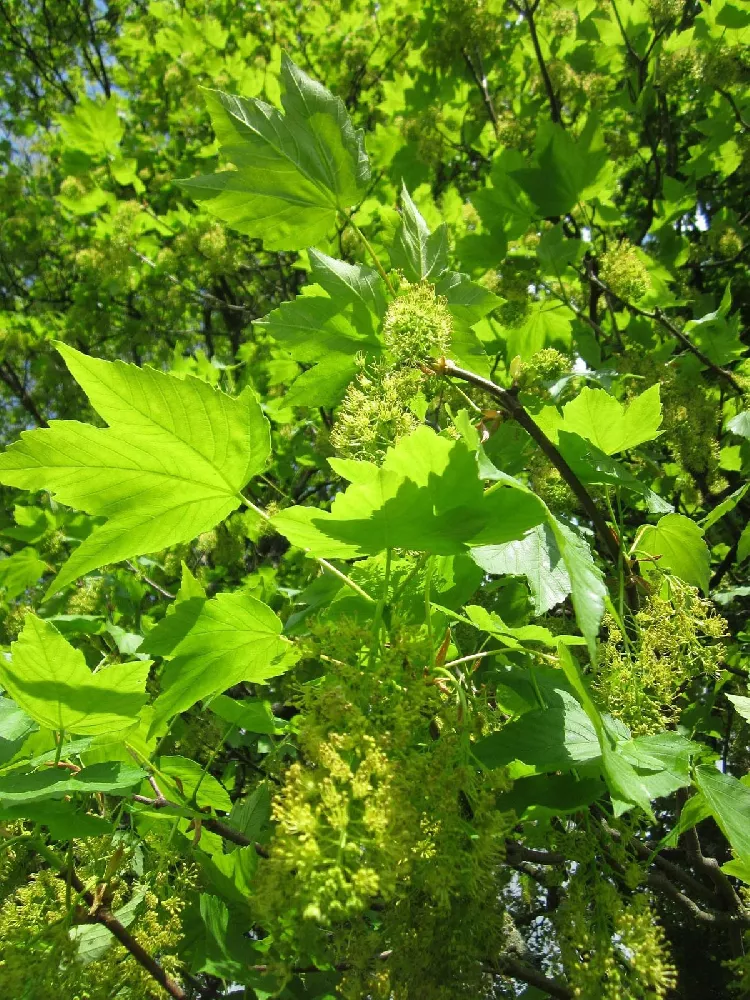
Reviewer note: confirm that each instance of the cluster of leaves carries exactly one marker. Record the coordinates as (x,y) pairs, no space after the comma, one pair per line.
(375,518)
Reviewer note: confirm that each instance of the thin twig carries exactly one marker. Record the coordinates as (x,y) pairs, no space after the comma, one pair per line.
(149,581)
(660,317)
(515,409)
(527,11)
(513,967)
(101,914)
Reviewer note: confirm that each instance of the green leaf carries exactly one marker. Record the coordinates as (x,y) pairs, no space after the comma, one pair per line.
(15,726)
(189,587)
(20,571)
(95,940)
(567,170)
(252,715)
(252,814)
(667,755)
(356,284)
(315,328)
(743,545)
(50,681)
(536,557)
(94,127)
(679,545)
(64,819)
(740,425)
(294,171)
(612,427)
(556,738)
(544,795)
(741,705)
(724,507)
(729,801)
(416,251)
(223,950)
(324,384)
(54,783)
(587,587)
(215,644)
(169,466)
(426,496)
(195,784)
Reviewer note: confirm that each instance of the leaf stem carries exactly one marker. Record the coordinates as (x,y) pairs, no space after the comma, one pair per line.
(428,609)
(345,579)
(379,608)
(515,409)
(371,251)
(321,562)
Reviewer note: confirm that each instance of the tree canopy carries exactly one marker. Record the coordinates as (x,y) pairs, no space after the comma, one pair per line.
(375,519)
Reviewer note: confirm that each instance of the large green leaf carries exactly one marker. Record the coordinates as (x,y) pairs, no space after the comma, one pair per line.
(426,496)
(50,681)
(294,171)
(556,738)
(215,644)
(612,427)
(536,557)
(678,545)
(566,170)
(587,587)
(169,466)
(729,801)
(94,127)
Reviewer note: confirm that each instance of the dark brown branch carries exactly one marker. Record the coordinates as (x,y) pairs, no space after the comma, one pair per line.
(516,969)
(101,914)
(660,883)
(214,825)
(10,377)
(515,409)
(517,852)
(735,109)
(527,11)
(660,317)
(480,78)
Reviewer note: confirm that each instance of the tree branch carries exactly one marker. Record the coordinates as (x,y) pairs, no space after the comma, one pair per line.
(659,317)
(527,11)
(100,914)
(10,377)
(508,966)
(480,78)
(515,409)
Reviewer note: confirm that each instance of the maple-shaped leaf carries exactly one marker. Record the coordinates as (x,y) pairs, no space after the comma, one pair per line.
(169,466)
(426,496)
(294,171)
(49,679)
(216,644)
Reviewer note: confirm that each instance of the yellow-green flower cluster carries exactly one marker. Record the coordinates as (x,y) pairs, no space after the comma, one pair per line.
(417,325)
(385,809)
(624,272)
(36,917)
(678,638)
(375,412)
(612,948)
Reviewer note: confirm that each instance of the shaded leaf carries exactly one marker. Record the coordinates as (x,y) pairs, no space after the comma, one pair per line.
(49,679)
(169,466)
(215,644)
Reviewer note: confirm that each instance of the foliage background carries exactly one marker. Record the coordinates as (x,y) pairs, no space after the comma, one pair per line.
(590,161)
